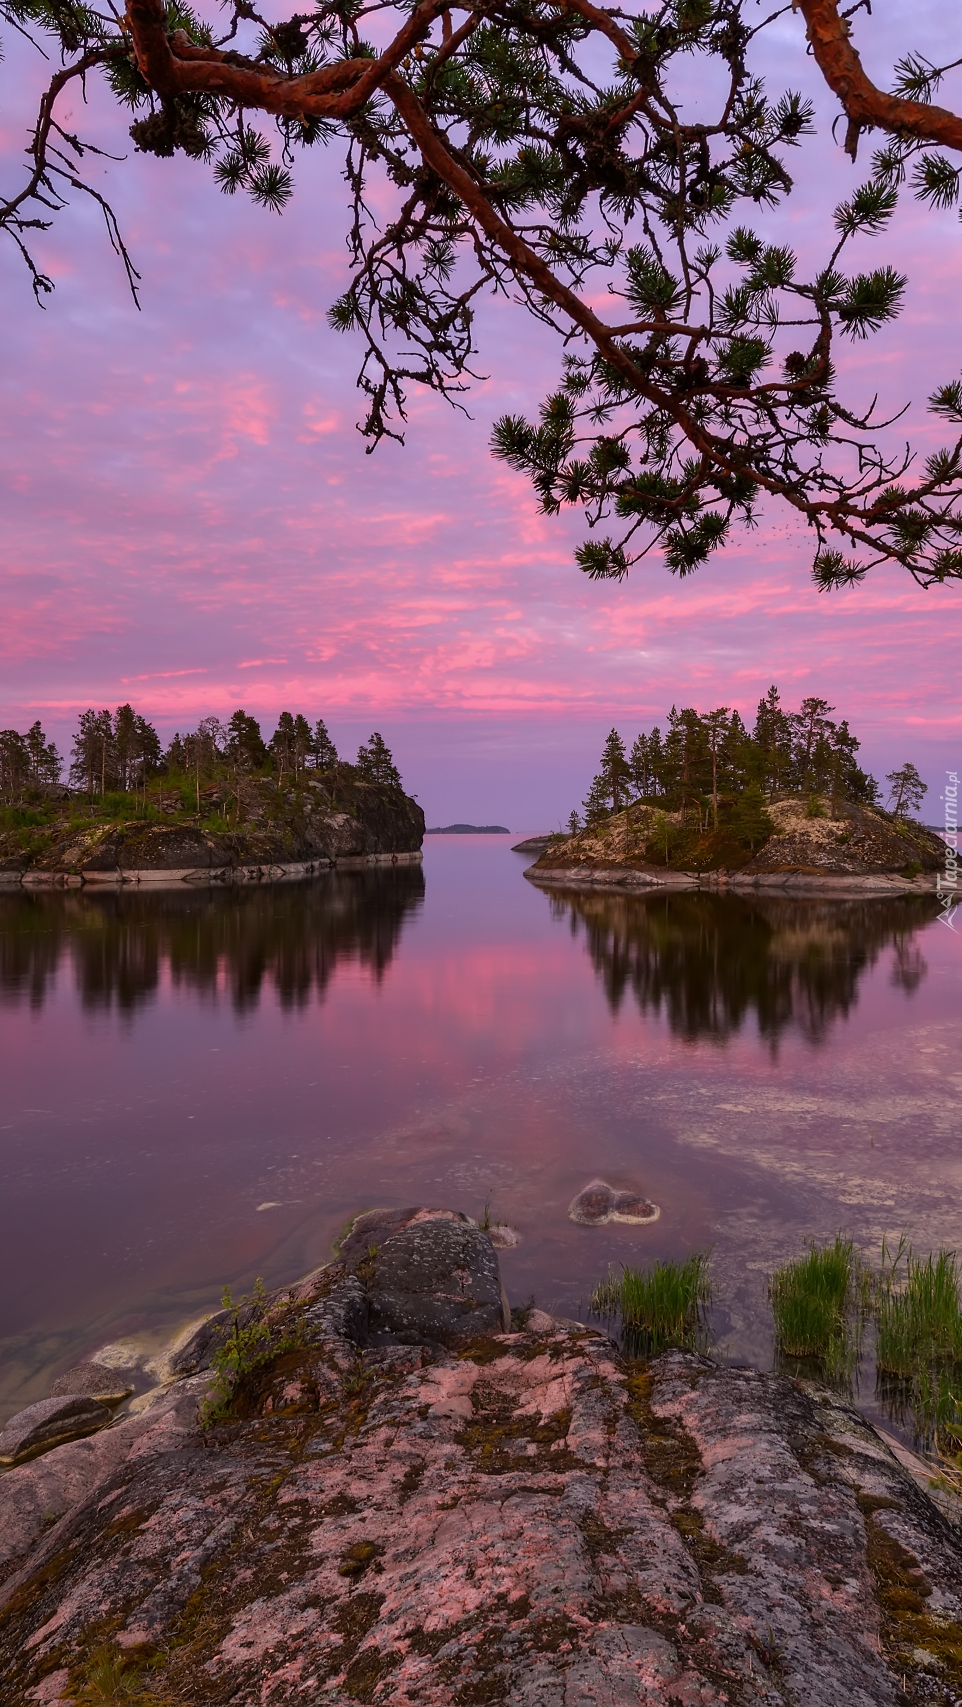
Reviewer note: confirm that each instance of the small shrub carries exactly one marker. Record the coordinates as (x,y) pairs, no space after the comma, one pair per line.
(112,1676)
(660,1307)
(814,807)
(253,1341)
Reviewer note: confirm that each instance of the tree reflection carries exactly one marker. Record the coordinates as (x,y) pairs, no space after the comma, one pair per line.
(225,944)
(707,962)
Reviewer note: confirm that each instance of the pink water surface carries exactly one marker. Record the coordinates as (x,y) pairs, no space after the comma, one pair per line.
(201,1089)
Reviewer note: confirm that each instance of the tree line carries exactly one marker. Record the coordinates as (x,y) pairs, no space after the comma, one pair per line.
(704,758)
(121,752)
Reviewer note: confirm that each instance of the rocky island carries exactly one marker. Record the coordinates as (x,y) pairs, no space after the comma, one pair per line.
(797,843)
(254,829)
(220,805)
(400,1491)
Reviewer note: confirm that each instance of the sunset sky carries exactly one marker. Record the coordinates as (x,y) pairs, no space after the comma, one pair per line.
(191,522)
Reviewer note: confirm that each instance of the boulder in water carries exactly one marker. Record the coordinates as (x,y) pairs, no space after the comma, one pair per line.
(600,1203)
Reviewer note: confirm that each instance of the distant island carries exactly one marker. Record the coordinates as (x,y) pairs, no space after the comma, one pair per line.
(469,830)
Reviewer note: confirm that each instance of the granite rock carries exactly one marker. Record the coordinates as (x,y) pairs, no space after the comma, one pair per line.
(94,1381)
(49,1422)
(528,1519)
(535,1522)
(438,1281)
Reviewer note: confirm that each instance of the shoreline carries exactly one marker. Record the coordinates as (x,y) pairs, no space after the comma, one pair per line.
(469,1505)
(225,875)
(786,883)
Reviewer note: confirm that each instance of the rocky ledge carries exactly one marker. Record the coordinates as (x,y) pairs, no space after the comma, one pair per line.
(427,1504)
(283,832)
(844,848)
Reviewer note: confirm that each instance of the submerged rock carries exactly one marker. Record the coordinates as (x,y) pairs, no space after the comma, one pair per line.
(600,1203)
(530,1520)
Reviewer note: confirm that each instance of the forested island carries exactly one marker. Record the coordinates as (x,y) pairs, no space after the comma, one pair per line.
(784,799)
(219,802)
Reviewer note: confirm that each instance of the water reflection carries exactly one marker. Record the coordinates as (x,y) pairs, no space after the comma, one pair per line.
(709,962)
(220,944)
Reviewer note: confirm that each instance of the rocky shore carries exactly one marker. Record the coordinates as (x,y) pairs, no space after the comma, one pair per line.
(420,1498)
(815,848)
(278,833)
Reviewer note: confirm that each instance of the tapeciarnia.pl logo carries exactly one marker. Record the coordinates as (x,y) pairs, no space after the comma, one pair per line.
(947,883)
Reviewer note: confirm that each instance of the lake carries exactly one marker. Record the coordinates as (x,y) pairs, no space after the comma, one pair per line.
(201,1087)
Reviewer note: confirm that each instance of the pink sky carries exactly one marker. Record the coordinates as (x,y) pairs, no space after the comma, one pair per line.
(191,523)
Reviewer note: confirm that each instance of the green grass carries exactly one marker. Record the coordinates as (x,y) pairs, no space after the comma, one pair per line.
(917,1311)
(819,1302)
(661,1306)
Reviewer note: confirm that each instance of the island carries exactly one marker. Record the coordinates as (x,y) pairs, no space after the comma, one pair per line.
(712,803)
(469,830)
(219,806)
(796,843)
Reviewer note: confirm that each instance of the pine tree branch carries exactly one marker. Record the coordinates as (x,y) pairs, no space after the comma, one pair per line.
(867,107)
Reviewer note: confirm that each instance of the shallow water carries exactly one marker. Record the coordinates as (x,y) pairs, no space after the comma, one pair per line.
(200,1088)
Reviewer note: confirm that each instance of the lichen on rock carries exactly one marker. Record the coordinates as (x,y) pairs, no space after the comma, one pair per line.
(524,1518)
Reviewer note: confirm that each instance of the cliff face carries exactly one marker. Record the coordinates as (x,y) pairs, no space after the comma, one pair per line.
(851,841)
(417,1508)
(257,825)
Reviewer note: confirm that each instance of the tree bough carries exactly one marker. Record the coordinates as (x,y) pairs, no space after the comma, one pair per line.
(698,359)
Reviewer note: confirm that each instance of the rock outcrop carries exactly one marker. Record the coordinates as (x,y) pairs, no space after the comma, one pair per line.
(523,1518)
(303,827)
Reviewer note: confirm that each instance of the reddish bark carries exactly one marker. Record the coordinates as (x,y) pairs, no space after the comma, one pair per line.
(866,106)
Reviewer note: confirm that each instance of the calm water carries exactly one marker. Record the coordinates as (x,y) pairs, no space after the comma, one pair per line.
(200,1088)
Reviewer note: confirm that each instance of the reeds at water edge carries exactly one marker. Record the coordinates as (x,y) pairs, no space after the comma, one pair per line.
(819,1303)
(660,1307)
(918,1340)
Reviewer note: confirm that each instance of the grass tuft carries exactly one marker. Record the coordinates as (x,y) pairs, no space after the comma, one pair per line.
(918,1340)
(819,1302)
(660,1307)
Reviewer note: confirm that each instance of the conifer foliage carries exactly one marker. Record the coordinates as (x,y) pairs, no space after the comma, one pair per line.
(541,152)
(703,757)
(119,753)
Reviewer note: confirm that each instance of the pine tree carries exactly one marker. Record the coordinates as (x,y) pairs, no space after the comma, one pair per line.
(92,760)
(716,728)
(301,743)
(245,747)
(14,761)
(375,763)
(609,790)
(750,821)
(640,762)
(907,790)
(176,756)
(771,757)
(810,726)
(45,761)
(322,747)
(125,738)
(282,744)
